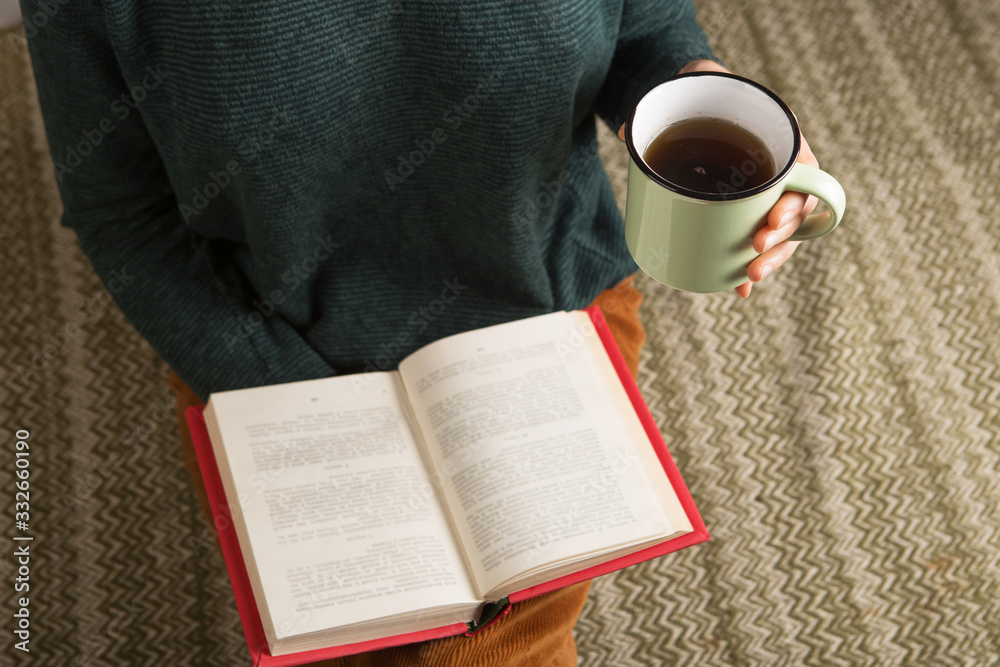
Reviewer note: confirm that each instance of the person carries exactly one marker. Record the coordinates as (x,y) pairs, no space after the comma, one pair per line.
(306,189)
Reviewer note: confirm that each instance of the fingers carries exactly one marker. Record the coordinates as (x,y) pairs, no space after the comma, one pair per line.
(790,205)
(793,204)
(768,236)
(773,246)
(771,240)
(769,261)
(806,155)
(702,66)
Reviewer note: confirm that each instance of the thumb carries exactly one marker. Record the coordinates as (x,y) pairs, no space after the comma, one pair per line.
(621,132)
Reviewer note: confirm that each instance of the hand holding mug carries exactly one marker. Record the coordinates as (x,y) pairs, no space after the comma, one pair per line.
(727,230)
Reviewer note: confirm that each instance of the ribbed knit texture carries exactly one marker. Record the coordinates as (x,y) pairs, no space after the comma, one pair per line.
(290,190)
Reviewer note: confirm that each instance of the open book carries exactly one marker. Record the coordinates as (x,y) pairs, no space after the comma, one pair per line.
(364,511)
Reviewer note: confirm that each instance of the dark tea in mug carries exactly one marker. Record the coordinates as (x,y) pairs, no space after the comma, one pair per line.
(710,155)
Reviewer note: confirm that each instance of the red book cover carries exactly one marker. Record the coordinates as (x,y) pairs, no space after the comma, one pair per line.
(253,629)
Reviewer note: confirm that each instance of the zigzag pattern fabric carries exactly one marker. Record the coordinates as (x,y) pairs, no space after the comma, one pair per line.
(839,430)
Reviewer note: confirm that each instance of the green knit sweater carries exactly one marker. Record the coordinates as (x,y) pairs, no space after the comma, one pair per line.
(282,191)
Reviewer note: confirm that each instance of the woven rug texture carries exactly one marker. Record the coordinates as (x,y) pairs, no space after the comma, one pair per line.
(838,429)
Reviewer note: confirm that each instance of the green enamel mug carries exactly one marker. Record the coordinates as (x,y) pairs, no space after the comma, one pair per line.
(703,241)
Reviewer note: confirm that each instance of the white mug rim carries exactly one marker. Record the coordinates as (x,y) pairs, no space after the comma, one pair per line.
(714,196)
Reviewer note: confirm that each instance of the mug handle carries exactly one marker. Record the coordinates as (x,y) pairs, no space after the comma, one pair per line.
(816,182)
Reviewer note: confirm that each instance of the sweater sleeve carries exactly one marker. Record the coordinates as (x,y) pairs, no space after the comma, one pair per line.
(656,38)
(195,309)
